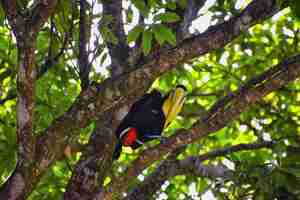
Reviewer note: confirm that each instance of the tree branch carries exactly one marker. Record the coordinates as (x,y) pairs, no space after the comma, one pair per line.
(190,14)
(11,11)
(82,184)
(90,171)
(154,182)
(118,52)
(192,165)
(240,100)
(233,149)
(84,28)
(19,184)
(40,13)
(114,92)
(49,62)
(25,110)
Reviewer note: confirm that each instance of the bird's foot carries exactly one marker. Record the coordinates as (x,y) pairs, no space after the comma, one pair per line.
(163,139)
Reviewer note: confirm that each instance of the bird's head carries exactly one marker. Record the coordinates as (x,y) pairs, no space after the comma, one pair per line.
(129,136)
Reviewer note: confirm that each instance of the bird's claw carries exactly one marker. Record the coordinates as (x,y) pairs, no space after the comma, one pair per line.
(163,139)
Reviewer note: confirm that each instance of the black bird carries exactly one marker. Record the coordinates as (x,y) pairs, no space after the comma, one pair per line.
(148,117)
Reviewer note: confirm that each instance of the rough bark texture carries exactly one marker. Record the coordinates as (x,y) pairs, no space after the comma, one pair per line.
(40,14)
(94,164)
(25,30)
(113,93)
(119,52)
(227,110)
(152,185)
(190,166)
(25,107)
(190,13)
(84,29)
(85,185)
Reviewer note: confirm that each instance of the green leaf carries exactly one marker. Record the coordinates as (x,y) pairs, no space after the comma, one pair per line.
(3,145)
(295,8)
(168,35)
(167,17)
(2,16)
(171,5)
(141,6)
(108,35)
(129,15)
(106,20)
(147,41)
(221,2)
(182,3)
(157,34)
(103,58)
(134,33)
(153,3)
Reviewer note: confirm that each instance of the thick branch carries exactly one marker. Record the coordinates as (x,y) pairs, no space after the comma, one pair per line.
(119,90)
(49,62)
(113,92)
(119,52)
(84,27)
(40,13)
(94,164)
(156,179)
(235,148)
(190,166)
(154,182)
(19,185)
(11,11)
(190,14)
(241,100)
(97,160)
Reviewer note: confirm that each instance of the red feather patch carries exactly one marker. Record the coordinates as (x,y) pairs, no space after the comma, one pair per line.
(130,137)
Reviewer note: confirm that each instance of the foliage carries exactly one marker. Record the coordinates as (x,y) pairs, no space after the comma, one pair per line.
(258,174)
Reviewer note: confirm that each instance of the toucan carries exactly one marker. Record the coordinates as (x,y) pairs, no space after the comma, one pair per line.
(148,117)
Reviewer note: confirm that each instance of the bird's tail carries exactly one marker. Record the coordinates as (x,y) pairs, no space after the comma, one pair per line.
(117,151)
(173,103)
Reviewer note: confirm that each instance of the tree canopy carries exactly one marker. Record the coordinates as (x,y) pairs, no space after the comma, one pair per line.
(70,70)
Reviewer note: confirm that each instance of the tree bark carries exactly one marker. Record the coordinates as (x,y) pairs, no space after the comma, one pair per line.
(25,29)
(193,166)
(117,91)
(227,110)
(94,164)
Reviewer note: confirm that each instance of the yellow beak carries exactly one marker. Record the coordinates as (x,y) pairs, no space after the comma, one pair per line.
(173,104)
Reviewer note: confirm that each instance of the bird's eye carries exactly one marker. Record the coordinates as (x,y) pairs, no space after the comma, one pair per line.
(154,111)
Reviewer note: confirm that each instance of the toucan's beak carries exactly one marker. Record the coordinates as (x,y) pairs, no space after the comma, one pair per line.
(173,104)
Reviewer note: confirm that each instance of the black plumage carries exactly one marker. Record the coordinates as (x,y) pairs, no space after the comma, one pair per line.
(147,117)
